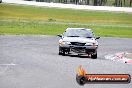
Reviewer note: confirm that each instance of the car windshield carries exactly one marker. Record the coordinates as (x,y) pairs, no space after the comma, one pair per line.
(78,33)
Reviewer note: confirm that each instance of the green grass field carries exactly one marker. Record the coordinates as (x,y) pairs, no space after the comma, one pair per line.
(16,19)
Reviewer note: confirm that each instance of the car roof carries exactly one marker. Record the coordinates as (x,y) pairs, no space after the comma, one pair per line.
(78,28)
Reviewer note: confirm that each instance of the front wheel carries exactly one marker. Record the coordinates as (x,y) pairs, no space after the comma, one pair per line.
(61,51)
(94,56)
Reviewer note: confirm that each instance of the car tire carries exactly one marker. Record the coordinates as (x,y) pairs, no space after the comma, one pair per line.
(94,56)
(61,51)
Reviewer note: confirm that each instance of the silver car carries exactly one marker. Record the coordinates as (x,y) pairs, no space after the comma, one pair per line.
(78,40)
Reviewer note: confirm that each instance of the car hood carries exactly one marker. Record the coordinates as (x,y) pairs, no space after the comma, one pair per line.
(79,39)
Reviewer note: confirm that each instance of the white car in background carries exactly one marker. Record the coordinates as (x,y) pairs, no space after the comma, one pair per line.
(78,40)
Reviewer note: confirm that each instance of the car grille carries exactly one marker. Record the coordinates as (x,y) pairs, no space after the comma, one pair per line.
(77,50)
(78,43)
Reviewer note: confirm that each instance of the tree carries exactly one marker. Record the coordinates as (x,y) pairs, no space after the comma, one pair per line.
(87,2)
(102,2)
(130,2)
(99,2)
(124,2)
(118,3)
(95,2)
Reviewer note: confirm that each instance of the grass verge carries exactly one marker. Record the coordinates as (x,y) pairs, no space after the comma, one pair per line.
(52,21)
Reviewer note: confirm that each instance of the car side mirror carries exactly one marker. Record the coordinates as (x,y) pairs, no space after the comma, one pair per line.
(60,35)
(97,38)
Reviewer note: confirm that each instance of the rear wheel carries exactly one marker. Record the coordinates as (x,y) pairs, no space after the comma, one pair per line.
(94,56)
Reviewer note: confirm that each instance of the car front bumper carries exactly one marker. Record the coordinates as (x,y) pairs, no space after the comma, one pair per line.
(78,49)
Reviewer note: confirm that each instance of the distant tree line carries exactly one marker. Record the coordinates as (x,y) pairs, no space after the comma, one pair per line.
(117,3)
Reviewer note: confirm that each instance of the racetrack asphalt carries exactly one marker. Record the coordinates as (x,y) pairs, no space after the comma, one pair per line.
(32,61)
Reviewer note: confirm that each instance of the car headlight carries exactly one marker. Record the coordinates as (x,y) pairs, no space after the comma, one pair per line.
(61,42)
(91,44)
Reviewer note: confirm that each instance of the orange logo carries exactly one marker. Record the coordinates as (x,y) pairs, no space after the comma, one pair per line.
(82,77)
